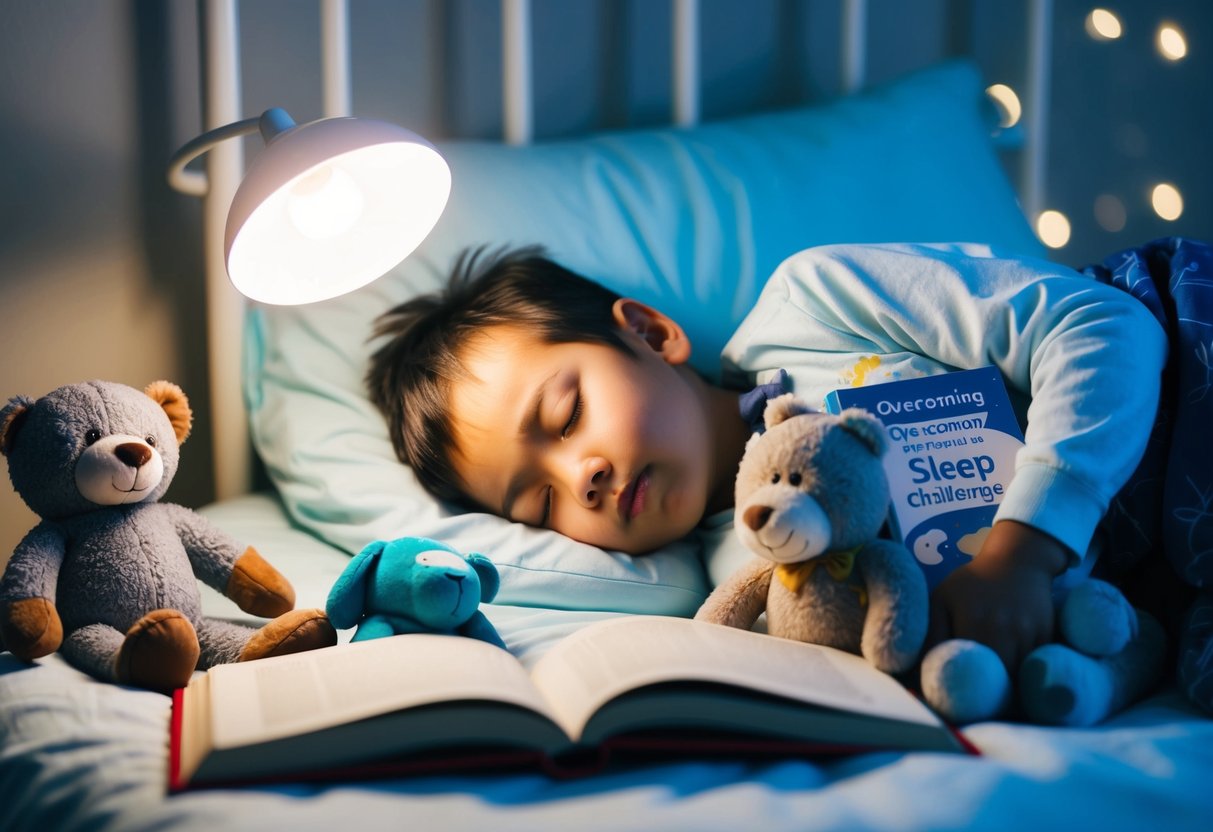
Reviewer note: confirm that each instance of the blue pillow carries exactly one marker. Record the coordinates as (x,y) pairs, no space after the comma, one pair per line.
(691,221)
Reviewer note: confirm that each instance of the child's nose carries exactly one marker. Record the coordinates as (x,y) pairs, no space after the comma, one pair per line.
(594,479)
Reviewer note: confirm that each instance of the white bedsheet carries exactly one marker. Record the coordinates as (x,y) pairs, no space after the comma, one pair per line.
(79,754)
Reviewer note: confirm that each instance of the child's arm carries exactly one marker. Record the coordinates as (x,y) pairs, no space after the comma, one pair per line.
(1089,356)
(1003,597)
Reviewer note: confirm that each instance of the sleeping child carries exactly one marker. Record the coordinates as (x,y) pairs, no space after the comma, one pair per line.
(533,393)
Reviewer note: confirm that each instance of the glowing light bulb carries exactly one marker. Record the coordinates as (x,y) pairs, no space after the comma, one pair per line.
(1009,108)
(1172,44)
(1053,228)
(1103,25)
(1168,203)
(324,203)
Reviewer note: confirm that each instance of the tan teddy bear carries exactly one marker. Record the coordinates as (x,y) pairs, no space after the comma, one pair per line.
(811,497)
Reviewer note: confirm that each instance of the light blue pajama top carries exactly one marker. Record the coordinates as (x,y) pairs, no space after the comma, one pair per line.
(1082,363)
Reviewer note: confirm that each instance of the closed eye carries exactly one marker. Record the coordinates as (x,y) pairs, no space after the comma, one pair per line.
(574,418)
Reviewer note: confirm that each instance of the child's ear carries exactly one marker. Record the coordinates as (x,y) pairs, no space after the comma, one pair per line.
(658,330)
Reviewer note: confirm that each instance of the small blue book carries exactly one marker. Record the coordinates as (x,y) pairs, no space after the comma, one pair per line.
(952,445)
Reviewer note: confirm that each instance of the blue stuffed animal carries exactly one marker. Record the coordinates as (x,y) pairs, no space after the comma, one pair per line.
(414,585)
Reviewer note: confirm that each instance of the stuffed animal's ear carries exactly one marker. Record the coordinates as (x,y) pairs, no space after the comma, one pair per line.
(177,407)
(867,427)
(347,598)
(11,418)
(490,580)
(782,408)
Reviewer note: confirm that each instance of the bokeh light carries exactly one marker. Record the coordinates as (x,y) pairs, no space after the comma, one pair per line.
(1172,44)
(1053,228)
(1110,213)
(1167,201)
(1009,108)
(1103,25)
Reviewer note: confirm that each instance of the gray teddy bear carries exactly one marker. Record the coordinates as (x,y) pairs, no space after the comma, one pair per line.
(109,577)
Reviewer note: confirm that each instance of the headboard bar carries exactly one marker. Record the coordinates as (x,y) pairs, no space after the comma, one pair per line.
(516,71)
(854,45)
(1036,109)
(232,451)
(335,57)
(685,69)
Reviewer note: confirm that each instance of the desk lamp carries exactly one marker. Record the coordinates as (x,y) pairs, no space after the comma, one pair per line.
(326,207)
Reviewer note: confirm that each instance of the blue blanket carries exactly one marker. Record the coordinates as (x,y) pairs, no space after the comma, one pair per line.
(1166,509)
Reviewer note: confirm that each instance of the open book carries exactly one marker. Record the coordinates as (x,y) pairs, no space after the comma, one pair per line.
(638,684)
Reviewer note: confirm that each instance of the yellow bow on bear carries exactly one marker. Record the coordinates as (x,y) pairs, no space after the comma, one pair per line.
(838,564)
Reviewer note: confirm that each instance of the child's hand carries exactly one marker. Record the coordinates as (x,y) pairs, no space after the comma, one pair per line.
(1003,597)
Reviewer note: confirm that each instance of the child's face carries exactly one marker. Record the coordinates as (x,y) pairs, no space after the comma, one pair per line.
(606,448)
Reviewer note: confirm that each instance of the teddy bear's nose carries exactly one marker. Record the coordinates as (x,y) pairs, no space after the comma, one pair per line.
(134,454)
(756,516)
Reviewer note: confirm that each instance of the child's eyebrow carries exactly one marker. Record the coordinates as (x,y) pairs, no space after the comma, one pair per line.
(530,418)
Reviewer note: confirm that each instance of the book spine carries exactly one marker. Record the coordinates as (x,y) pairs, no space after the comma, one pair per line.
(952,445)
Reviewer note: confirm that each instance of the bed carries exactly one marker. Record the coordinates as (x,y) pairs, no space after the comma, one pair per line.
(690,218)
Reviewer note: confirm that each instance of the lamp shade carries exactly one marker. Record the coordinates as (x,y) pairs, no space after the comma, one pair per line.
(330,205)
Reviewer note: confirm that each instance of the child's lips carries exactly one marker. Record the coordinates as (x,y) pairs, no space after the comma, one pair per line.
(633,498)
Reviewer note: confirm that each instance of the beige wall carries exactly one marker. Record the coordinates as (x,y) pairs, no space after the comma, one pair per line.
(99,274)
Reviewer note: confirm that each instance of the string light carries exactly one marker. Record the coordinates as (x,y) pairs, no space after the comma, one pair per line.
(1167,201)
(1009,108)
(1172,44)
(1103,25)
(1053,228)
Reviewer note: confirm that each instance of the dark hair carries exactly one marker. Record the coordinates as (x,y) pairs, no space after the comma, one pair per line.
(410,376)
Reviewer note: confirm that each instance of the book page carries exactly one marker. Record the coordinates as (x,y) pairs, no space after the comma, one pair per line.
(607,659)
(285,695)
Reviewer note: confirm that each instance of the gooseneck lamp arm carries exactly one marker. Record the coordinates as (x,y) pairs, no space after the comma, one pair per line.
(270,123)
(192,182)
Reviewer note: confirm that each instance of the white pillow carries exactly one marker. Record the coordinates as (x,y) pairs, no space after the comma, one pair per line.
(691,221)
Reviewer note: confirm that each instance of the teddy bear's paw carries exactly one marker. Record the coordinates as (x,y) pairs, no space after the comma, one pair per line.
(965,681)
(1061,686)
(259,588)
(30,628)
(160,652)
(1097,620)
(292,632)
(886,657)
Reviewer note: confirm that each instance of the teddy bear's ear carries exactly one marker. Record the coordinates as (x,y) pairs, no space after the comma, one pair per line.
(176,406)
(490,580)
(11,419)
(867,427)
(782,408)
(347,598)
